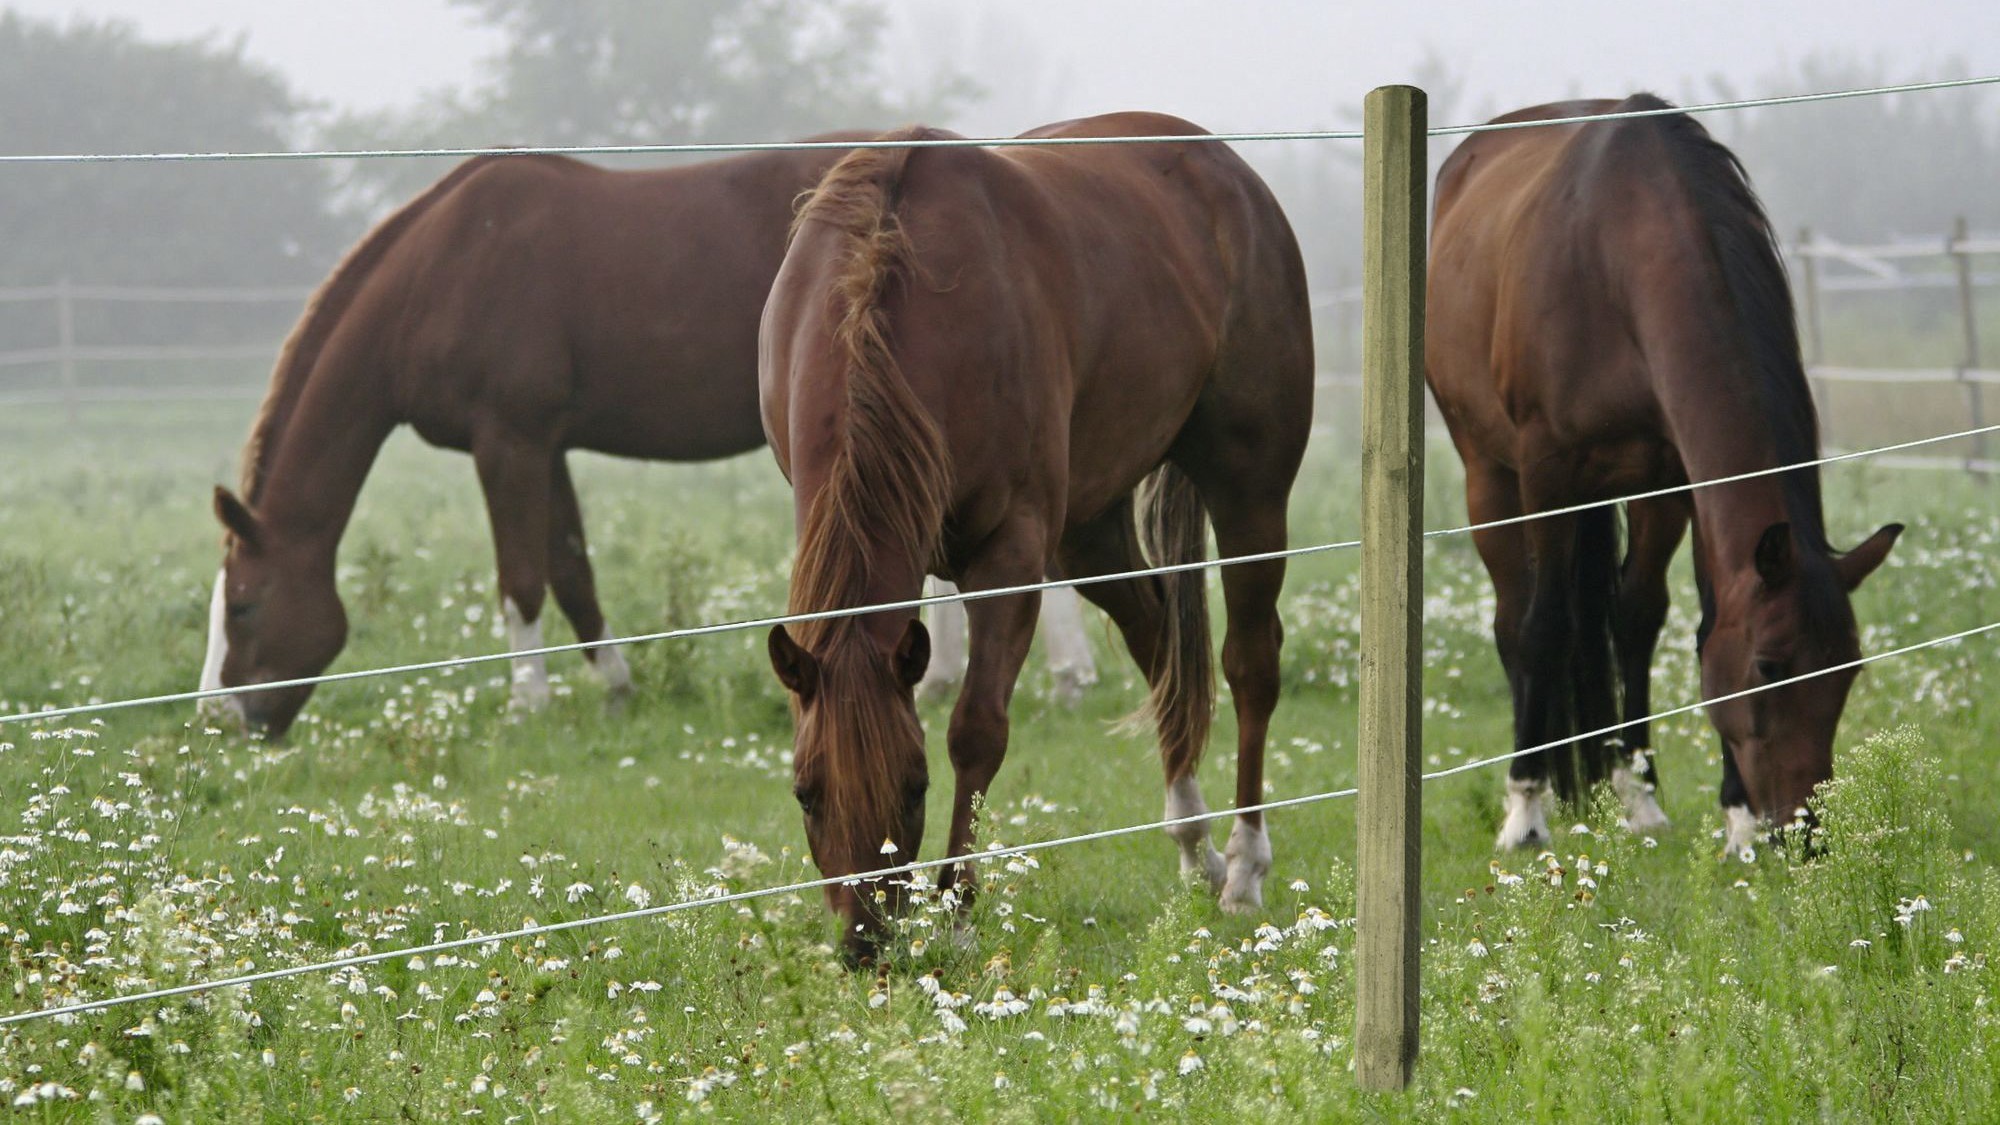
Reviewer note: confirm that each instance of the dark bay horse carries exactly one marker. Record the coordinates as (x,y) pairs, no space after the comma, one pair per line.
(987,364)
(520,307)
(1608,314)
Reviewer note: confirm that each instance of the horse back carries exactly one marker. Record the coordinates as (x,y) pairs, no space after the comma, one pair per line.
(1078,292)
(1565,260)
(620,306)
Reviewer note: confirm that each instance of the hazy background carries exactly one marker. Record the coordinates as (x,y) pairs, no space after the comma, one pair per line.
(102,75)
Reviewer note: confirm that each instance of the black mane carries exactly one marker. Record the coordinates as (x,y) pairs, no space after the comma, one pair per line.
(1746,251)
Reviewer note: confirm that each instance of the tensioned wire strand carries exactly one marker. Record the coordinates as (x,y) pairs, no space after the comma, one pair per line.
(1614,728)
(939,599)
(726,147)
(1831,459)
(996,852)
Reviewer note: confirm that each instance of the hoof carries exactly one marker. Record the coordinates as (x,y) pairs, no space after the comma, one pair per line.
(1527,823)
(610,667)
(1744,831)
(528,697)
(1198,854)
(1249,860)
(1206,866)
(1249,900)
(1646,820)
(1642,810)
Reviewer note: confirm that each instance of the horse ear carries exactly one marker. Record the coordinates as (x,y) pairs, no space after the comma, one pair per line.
(238,518)
(1858,564)
(796,668)
(1774,555)
(913,653)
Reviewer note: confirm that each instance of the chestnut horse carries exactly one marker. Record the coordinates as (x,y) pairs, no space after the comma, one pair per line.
(520,307)
(985,365)
(1608,314)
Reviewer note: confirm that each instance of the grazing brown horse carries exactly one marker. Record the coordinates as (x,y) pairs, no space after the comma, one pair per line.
(1608,314)
(988,364)
(520,307)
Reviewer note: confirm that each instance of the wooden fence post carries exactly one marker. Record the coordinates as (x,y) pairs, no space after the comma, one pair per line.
(66,346)
(1975,398)
(1388,817)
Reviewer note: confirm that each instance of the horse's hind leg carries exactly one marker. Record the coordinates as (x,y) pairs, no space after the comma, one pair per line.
(514,474)
(1654,532)
(1593,662)
(575,585)
(947,628)
(1071,668)
(1067,643)
(1493,493)
(1107,545)
(1250,646)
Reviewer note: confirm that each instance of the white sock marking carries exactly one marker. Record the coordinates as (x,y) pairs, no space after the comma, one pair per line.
(1642,811)
(531,674)
(1527,814)
(1249,855)
(225,707)
(1744,828)
(609,664)
(1198,854)
(218,639)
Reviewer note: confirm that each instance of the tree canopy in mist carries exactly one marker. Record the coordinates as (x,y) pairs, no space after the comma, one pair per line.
(99,87)
(659,71)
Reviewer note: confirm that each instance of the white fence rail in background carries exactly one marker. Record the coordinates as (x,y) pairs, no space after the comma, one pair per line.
(67,352)
(1879,267)
(1876,267)
(1820,265)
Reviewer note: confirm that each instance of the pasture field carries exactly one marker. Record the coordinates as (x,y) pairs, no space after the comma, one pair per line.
(1613,979)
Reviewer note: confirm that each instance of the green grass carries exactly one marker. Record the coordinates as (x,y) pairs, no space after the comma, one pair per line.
(1672,986)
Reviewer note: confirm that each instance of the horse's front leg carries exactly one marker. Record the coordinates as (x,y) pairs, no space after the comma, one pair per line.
(1655,529)
(1001,630)
(575,585)
(514,474)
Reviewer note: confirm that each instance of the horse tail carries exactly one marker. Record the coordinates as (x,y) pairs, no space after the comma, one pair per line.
(1173,529)
(322,314)
(1593,680)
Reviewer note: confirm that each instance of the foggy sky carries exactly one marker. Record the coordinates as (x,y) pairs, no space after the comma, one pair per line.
(1249,64)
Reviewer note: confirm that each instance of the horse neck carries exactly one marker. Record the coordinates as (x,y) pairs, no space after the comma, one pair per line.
(1719,418)
(1731,518)
(322,454)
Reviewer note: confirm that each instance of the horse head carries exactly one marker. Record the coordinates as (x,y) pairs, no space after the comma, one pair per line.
(275,615)
(858,767)
(1791,619)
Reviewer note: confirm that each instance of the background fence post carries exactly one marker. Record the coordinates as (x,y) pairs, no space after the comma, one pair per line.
(1387,819)
(66,346)
(1975,398)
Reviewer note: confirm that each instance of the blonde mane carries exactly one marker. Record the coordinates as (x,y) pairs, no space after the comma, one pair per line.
(888,487)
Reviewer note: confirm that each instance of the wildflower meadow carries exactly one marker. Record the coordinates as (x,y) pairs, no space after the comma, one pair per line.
(1611,977)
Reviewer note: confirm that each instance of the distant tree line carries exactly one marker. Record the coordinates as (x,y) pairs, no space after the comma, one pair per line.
(569,72)
(590,71)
